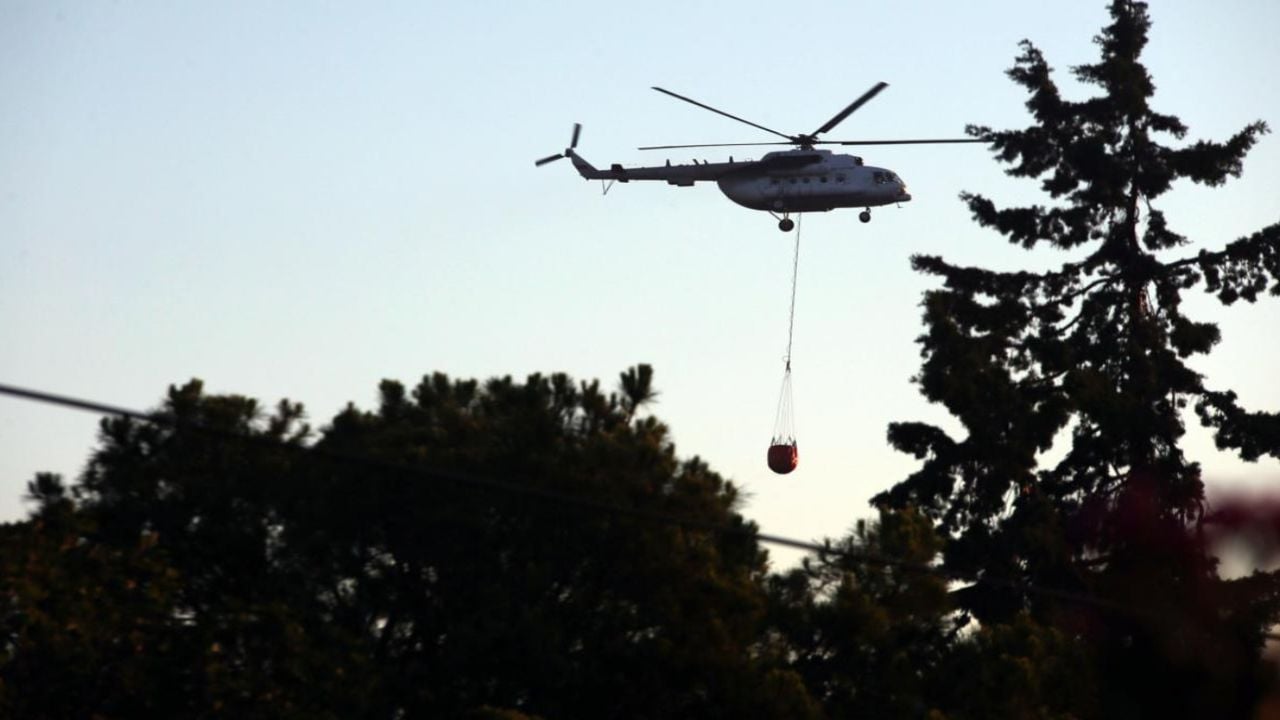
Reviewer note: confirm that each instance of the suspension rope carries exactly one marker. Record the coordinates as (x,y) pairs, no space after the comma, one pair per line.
(784,422)
(784,430)
(795,268)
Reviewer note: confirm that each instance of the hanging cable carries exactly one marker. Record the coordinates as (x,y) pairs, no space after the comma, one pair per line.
(783,452)
(795,271)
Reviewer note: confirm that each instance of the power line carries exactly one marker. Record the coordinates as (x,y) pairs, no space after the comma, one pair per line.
(454,477)
(476,481)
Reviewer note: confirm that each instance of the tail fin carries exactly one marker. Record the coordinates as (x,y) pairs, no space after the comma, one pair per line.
(586,169)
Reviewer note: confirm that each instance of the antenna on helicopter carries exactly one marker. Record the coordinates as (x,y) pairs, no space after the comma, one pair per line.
(573,143)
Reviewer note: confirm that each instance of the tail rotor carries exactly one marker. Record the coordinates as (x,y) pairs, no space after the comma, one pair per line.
(573,143)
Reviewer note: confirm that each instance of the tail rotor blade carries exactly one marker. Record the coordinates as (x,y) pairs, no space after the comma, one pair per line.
(573,143)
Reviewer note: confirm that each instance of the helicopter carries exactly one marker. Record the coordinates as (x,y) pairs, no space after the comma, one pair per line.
(802,179)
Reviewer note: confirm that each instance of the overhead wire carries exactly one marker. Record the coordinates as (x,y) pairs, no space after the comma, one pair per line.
(822,550)
(473,480)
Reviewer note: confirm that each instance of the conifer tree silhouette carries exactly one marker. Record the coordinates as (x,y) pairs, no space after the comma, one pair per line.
(1097,347)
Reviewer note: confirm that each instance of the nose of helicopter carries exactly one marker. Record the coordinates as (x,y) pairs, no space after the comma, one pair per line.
(899,187)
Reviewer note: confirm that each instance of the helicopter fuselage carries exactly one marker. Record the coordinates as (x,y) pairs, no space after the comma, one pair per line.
(787,181)
(803,179)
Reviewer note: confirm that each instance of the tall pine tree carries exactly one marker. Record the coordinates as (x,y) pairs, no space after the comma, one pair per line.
(1106,541)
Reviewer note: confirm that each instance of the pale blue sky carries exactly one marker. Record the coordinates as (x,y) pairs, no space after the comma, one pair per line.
(300,199)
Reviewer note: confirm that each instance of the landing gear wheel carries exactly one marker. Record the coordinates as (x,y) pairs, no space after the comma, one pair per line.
(865,216)
(786,224)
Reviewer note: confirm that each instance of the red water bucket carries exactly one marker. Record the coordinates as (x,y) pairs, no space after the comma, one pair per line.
(783,458)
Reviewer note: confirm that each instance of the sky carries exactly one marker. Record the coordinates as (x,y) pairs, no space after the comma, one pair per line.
(298,200)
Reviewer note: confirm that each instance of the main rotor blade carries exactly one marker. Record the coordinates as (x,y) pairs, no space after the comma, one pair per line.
(577,130)
(721,112)
(674,147)
(547,159)
(875,90)
(899,142)
(820,142)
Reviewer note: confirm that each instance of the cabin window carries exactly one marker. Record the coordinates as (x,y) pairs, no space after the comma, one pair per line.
(878,177)
(824,178)
(806,181)
(773,181)
(793,181)
(839,178)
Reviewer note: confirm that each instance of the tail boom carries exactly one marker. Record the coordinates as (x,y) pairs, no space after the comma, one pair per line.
(683,175)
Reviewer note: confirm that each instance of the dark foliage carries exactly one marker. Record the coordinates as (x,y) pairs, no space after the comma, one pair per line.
(1094,354)
(236,570)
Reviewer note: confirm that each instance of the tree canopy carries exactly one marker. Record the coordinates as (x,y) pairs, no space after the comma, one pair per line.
(1094,355)
(419,560)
